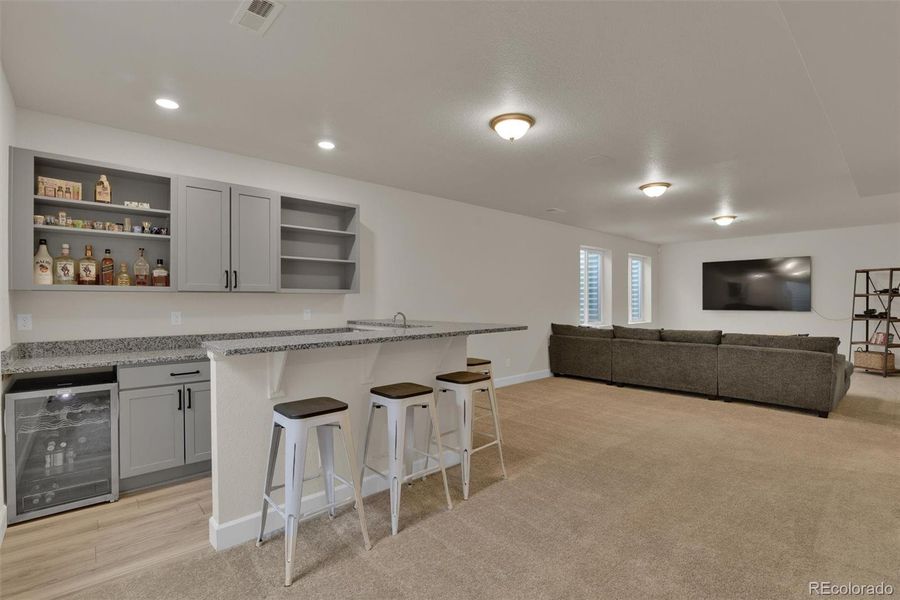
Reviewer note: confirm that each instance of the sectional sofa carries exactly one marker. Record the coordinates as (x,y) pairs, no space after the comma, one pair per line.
(796,371)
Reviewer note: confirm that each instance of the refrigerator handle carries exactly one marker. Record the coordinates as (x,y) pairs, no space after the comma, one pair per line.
(179,399)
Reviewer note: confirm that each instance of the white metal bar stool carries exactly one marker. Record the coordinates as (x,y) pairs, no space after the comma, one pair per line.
(400,399)
(484,366)
(297,419)
(464,384)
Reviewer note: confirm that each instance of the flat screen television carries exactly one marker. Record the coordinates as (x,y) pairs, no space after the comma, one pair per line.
(761,284)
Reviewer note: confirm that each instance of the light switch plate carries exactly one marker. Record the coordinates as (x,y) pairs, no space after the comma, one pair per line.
(176,317)
(23,322)
(307,314)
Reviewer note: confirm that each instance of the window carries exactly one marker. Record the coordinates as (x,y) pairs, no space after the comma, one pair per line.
(591,305)
(638,289)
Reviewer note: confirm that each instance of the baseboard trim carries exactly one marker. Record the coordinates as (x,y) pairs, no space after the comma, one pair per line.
(521,378)
(2,522)
(243,529)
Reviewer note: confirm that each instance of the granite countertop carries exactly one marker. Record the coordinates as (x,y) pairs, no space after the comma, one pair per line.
(375,331)
(39,357)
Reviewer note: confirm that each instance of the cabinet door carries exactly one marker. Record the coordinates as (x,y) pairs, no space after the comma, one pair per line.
(197,423)
(151,430)
(255,229)
(204,216)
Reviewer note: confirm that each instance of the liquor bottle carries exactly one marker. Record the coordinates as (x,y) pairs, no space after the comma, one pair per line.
(141,269)
(107,269)
(87,267)
(43,265)
(64,268)
(123,278)
(102,190)
(160,274)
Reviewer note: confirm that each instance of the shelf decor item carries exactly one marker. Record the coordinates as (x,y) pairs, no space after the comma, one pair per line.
(102,190)
(58,188)
(873,348)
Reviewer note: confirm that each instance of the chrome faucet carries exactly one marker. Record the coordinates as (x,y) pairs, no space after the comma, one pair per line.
(399,314)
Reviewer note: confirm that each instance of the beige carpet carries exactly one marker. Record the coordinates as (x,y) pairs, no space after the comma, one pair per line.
(612,493)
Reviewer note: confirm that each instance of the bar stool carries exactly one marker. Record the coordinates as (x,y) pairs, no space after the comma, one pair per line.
(483,365)
(297,418)
(400,399)
(464,384)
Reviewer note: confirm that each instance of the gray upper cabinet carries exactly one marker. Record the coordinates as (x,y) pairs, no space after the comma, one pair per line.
(151,430)
(228,237)
(204,241)
(254,240)
(197,423)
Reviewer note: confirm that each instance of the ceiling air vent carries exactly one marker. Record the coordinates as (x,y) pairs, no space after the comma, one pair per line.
(257,15)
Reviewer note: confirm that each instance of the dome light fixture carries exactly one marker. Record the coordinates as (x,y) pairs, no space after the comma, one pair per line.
(512,126)
(166,103)
(724,220)
(326,145)
(655,189)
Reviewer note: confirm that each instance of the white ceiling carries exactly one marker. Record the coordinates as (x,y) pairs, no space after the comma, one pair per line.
(786,114)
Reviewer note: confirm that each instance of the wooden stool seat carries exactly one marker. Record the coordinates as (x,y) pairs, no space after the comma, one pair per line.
(463,377)
(310,407)
(401,391)
(477,362)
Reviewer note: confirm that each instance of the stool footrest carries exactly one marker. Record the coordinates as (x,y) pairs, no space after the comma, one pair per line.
(376,471)
(488,445)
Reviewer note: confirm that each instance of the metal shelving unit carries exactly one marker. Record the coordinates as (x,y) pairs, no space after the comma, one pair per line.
(872,294)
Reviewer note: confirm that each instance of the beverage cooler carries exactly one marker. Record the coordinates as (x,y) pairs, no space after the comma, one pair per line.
(62,442)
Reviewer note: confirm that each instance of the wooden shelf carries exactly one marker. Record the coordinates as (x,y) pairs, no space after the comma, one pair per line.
(101,232)
(323,260)
(99,206)
(100,288)
(320,230)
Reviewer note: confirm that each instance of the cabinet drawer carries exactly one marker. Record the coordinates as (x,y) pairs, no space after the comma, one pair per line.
(139,377)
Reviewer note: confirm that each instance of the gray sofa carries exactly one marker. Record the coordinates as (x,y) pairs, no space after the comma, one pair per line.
(796,371)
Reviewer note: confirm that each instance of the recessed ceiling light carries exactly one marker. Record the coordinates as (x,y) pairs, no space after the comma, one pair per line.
(326,145)
(166,103)
(724,220)
(655,189)
(512,126)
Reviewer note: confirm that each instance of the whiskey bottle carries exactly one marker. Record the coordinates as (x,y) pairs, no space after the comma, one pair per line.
(160,274)
(43,265)
(123,278)
(141,269)
(64,268)
(107,268)
(87,267)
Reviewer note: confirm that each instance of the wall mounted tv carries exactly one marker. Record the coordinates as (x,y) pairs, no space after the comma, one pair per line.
(761,284)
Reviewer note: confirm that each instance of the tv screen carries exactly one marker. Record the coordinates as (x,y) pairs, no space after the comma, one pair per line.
(761,284)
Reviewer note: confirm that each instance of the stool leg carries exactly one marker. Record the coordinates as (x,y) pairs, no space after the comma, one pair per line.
(267,486)
(431,429)
(493,399)
(325,436)
(464,410)
(494,404)
(432,409)
(396,450)
(294,467)
(410,437)
(347,438)
(365,456)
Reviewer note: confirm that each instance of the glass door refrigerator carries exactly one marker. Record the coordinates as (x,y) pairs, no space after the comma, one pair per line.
(62,443)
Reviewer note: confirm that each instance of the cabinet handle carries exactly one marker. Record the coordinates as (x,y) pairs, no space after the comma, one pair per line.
(179,399)
(189,398)
(197,372)
(235,279)
(227,280)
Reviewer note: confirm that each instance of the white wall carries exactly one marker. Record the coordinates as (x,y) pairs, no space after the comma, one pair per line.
(429,257)
(835,253)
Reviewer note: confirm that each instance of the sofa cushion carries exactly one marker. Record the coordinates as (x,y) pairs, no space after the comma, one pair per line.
(691,336)
(636,333)
(787,342)
(580,331)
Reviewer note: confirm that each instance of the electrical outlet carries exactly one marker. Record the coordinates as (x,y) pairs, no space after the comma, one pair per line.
(23,322)
(307,314)
(508,361)
(176,317)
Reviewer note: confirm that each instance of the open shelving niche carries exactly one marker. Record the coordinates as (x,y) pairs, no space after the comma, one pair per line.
(886,324)
(319,246)
(127,186)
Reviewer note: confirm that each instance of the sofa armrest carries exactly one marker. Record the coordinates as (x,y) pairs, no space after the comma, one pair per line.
(581,356)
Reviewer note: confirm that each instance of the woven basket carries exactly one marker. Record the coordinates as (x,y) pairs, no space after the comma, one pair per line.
(864,359)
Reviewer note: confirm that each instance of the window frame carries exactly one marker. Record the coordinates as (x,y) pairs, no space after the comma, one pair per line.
(645,289)
(602,287)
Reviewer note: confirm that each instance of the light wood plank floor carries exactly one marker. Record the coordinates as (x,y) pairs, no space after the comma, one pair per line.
(58,555)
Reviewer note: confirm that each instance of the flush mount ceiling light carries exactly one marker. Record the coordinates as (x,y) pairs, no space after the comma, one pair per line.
(724,220)
(326,145)
(166,103)
(655,189)
(512,126)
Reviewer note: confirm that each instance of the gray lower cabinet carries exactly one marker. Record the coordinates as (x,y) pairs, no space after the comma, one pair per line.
(228,237)
(197,423)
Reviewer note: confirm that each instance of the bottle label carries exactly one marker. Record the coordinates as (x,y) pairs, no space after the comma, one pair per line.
(43,271)
(107,273)
(88,272)
(64,271)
